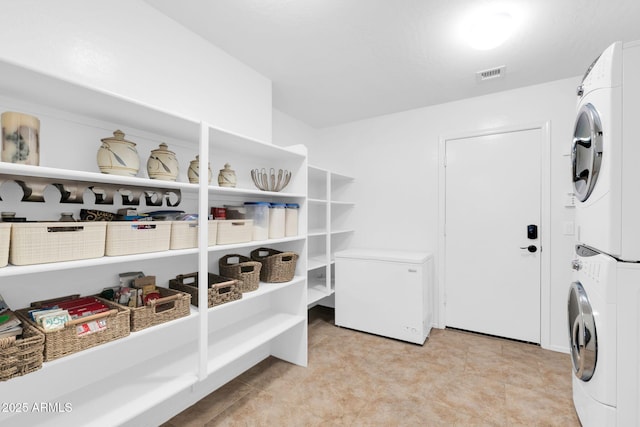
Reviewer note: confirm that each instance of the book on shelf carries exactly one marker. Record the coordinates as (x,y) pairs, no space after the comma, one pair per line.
(3,305)
(8,320)
(10,325)
(13,332)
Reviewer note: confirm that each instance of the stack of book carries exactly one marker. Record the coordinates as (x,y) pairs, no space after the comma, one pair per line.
(54,316)
(10,324)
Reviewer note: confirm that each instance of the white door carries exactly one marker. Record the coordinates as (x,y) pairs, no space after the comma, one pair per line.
(492,263)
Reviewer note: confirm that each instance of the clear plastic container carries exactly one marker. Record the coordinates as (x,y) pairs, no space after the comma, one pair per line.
(277,220)
(259,213)
(291,220)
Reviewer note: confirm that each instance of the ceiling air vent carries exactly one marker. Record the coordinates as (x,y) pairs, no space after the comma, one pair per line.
(490,74)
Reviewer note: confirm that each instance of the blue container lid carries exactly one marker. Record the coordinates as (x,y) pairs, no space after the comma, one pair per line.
(257,203)
(278,205)
(293,206)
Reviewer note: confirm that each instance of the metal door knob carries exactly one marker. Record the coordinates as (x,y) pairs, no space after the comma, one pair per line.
(530,248)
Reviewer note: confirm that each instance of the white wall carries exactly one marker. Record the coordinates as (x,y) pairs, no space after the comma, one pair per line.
(288,131)
(394,159)
(129,48)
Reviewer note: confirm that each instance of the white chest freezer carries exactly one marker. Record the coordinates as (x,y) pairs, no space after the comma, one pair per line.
(388,293)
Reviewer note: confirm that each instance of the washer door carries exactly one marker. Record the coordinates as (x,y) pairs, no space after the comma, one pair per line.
(586,153)
(582,333)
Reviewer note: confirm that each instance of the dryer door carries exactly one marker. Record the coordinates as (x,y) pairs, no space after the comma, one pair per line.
(582,333)
(586,153)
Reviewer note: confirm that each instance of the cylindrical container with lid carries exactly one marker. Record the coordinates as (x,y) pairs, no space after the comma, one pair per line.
(219,213)
(259,213)
(277,220)
(291,219)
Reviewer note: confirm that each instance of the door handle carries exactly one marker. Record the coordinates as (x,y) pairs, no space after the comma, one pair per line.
(530,248)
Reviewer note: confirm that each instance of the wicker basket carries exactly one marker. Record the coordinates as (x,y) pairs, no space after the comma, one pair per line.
(19,356)
(221,289)
(277,266)
(137,237)
(172,305)
(5,234)
(42,242)
(184,234)
(243,269)
(66,341)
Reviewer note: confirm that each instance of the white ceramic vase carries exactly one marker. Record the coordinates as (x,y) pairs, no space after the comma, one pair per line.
(117,156)
(20,138)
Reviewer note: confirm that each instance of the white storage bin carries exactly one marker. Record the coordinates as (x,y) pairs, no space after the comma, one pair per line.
(291,219)
(5,235)
(234,231)
(184,234)
(258,212)
(137,237)
(42,242)
(276,220)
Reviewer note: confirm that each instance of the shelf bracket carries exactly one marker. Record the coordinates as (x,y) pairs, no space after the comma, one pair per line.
(71,191)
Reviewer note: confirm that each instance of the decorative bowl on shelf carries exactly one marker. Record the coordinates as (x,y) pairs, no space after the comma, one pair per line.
(270,181)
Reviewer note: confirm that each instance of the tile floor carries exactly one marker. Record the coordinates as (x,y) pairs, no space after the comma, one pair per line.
(357,379)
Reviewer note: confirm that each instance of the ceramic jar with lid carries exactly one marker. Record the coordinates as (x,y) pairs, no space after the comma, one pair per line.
(227,176)
(163,164)
(193,173)
(117,156)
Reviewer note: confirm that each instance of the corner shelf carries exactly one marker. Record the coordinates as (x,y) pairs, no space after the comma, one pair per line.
(326,188)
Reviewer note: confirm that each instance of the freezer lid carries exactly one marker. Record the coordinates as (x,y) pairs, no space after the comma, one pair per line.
(410,257)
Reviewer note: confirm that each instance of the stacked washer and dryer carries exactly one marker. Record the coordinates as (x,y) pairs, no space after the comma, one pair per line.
(604,299)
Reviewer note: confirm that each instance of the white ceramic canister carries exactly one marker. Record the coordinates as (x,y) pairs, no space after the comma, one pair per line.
(193,173)
(291,219)
(117,156)
(20,138)
(163,164)
(259,213)
(276,220)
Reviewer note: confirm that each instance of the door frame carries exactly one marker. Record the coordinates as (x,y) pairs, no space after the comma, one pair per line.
(545,218)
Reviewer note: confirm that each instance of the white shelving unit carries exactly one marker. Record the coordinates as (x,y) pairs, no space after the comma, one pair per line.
(151,375)
(329,229)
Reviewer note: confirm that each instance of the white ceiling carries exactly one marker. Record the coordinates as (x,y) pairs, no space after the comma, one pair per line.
(336,61)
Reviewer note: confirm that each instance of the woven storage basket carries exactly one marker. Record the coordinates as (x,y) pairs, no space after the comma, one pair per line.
(137,237)
(5,234)
(277,266)
(20,356)
(172,305)
(234,231)
(184,234)
(243,269)
(221,289)
(66,341)
(42,242)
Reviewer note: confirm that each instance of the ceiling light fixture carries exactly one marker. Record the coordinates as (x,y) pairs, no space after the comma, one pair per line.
(487,30)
